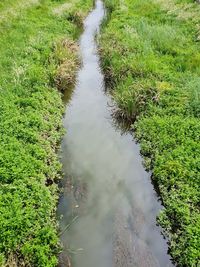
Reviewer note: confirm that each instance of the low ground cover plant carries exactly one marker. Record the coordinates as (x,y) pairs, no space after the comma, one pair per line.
(151,57)
(36,45)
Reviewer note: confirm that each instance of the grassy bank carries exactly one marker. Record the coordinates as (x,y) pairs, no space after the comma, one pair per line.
(37,54)
(151,57)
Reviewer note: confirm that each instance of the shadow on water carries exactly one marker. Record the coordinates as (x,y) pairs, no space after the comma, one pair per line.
(108,208)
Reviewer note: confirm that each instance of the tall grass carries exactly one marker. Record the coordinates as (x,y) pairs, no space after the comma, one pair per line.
(37,53)
(150,55)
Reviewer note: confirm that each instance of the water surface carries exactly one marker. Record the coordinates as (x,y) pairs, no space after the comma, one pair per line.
(109,206)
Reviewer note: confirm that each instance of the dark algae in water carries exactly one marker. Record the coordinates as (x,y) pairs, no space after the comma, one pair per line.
(108,208)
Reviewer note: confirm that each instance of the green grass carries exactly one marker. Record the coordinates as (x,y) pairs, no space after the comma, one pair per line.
(151,58)
(33,57)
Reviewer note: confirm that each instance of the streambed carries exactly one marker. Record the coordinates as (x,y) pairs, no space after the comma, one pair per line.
(108,208)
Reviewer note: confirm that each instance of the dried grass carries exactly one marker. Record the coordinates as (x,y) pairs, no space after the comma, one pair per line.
(69,64)
(14,261)
(59,10)
(183,11)
(15,10)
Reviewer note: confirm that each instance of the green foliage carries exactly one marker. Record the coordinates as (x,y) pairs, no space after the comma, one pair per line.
(31,128)
(151,60)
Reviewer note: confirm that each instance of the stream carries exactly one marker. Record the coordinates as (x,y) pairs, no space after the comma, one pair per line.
(108,207)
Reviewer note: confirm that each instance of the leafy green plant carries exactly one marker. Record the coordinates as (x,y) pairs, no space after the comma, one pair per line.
(33,48)
(150,56)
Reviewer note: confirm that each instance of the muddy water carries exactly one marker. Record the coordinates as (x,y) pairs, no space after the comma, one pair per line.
(108,208)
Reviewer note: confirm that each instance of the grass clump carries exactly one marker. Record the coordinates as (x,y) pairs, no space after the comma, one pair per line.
(66,53)
(37,54)
(150,55)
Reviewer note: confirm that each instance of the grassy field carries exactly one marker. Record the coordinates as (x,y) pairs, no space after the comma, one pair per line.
(37,55)
(151,58)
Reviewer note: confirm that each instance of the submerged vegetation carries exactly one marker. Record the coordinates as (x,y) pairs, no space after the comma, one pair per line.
(151,58)
(37,54)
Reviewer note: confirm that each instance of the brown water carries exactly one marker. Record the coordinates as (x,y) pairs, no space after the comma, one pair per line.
(108,208)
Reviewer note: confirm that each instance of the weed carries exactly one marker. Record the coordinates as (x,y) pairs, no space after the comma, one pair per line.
(37,53)
(150,56)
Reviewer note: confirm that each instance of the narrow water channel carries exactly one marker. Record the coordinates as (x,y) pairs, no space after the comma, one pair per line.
(108,208)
